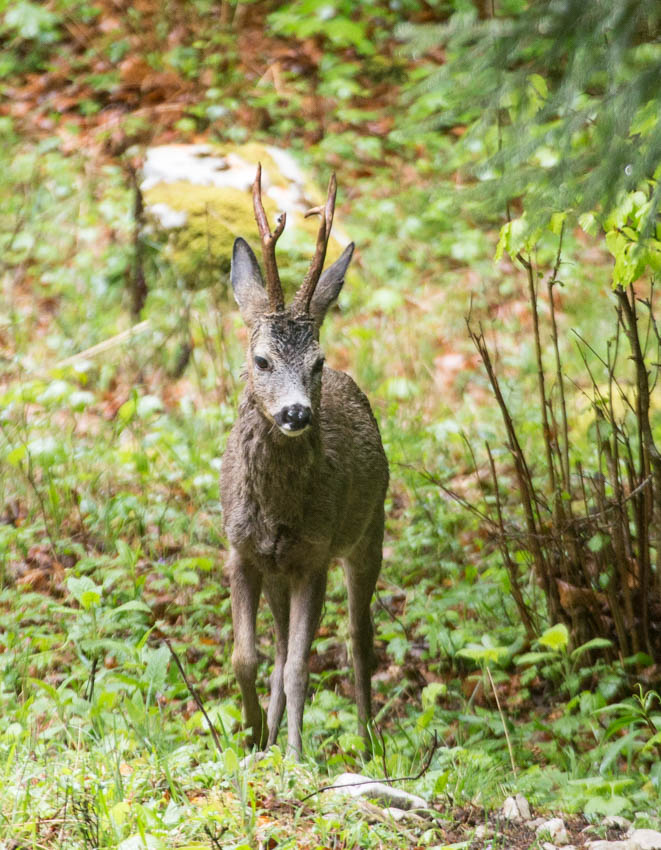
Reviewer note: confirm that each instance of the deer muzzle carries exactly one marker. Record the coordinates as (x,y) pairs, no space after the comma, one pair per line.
(293,419)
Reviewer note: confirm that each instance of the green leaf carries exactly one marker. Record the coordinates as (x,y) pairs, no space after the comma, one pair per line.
(127,411)
(556,638)
(84,591)
(484,654)
(15,456)
(613,805)
(557,222)
(31,21)
(432,692)
(231,760)
(157,667)
(597,542)
(132,605)
(595,643)
(534,657)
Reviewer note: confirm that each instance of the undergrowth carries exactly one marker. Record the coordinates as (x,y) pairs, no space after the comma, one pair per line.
(111,549)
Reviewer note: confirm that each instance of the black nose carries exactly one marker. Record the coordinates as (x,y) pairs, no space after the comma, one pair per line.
(295,417)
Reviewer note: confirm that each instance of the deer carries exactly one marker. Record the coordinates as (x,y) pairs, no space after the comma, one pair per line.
(303,483)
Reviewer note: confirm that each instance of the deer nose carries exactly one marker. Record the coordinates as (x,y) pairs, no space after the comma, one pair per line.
(295,417)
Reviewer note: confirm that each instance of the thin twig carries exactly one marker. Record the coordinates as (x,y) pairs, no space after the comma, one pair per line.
(191,689)
(505,552)
(106,345)
(213,838)
(425,767)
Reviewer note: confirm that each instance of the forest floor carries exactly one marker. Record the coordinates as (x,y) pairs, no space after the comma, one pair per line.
(109,520)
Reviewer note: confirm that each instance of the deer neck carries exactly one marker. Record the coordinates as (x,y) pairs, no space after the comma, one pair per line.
(279,470)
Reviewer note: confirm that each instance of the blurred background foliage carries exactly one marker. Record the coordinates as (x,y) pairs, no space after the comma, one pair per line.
(497,162)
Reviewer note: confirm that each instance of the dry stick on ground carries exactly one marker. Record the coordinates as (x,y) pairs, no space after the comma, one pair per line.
(386,781)
(106,345)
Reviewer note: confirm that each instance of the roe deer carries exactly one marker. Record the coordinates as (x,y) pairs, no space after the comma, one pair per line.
(303,481)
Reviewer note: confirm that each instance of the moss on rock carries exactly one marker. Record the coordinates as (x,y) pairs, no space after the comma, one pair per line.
(199,223)
(201,249)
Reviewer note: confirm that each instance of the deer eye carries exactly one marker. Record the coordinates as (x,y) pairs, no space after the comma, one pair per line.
(318,365)
(262,363)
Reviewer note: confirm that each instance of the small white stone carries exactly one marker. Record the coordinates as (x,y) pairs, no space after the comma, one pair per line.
(516,809)
(548,846)
(534,823)
(609,845)
(555,829)
(394,813)
(357,785)
(483,831)
(646,839)
(616,822)
(167,217)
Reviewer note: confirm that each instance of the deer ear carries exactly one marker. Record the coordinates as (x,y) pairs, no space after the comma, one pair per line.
(247,282)
(329,286)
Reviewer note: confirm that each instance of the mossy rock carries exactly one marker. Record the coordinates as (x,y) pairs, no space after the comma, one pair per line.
(198,200)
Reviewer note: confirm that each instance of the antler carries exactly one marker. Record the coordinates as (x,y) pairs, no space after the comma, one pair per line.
(304,295)
(273,285)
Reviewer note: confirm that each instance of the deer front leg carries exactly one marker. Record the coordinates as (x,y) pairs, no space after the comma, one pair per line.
(277,595)
(306,602)
(245,587)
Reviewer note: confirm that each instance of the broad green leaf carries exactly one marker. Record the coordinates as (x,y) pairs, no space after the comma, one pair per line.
(432,692)
(157,667)
(15,456)
(613,805)
(84,591)
(556,223)
(595,643)
(231,760)
(120,812)
(556,638)
(597,542)
(484,654)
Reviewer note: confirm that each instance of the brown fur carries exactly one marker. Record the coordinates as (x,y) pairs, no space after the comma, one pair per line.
(291,504)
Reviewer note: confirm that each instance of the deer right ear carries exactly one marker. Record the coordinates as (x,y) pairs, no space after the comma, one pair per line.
(247,282)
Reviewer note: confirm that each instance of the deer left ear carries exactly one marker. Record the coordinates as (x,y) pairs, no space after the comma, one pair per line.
(330,285)
(247,282)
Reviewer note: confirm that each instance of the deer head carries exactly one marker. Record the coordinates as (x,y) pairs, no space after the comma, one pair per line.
(285,361)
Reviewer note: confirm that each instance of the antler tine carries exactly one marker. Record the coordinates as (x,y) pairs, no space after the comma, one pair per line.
(273,284)
(305,293)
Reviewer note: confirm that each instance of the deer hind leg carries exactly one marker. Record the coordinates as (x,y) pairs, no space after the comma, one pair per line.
(245,588)
(361,569)
(306,603)
(277,596)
